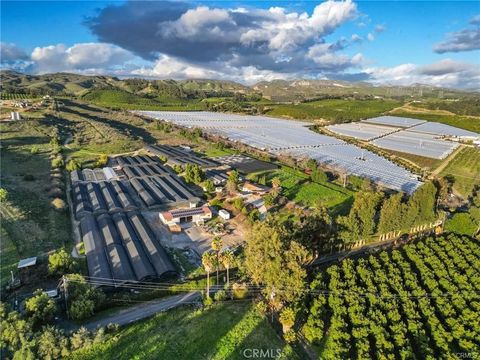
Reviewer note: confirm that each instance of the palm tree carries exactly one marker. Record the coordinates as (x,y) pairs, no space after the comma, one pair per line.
(276,186)
(207,262)
(227,261)
(217,244)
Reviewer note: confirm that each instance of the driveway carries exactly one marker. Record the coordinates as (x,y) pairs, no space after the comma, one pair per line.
(145,310)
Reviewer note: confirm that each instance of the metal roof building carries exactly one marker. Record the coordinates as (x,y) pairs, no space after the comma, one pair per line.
(293,138)
(123,248)
(180,156)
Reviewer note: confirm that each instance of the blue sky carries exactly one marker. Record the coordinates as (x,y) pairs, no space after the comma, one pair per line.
(393,42)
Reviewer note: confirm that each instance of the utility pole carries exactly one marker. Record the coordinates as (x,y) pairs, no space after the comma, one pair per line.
(65,289)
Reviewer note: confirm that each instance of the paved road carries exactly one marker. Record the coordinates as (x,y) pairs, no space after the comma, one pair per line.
(144,310)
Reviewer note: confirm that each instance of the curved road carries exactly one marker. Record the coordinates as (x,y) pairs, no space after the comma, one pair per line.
(145,310)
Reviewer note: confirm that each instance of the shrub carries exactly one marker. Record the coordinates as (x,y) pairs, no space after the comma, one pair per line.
(102,160)
(239,291)
(61,262)
(220,295)
(73,165)
(207,301)
(58,204)
(34,149)
(57,163)
(3,195)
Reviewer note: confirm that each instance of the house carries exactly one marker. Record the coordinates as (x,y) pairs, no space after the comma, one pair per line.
(224,214)
(196,215)
(252,188)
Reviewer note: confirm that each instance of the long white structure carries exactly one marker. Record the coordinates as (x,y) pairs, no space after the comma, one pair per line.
(412,136)
(279,136)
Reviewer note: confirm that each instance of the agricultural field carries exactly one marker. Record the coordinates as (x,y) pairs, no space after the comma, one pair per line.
(14,96)
(421,301)
(335,110)
(219,332)
(120,99)
(465,169)
(298,187)
(30,225)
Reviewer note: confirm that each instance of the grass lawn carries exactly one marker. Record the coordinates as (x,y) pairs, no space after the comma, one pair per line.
(297,187)
(465,168)
(30,226)
(335,110)
(223,331)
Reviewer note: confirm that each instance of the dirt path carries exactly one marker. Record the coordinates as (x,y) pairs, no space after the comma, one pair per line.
(443,165)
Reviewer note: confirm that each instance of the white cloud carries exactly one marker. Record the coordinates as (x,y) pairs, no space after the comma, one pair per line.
(370,37)
(79,57)
(356,38)
(444,73)
(467,39)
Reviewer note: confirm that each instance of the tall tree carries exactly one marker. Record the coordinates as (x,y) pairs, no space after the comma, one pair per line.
(421,207)
(273,260)
(361,221)
(40,307)
(217,244)
(391,214)
(227,260)
(208,260)
(313,230)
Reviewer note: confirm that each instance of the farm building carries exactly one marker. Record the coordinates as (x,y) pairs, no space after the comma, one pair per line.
(180,156)
(123,248)
(280,137)
(182,216)
(163,191)
(101,197)
(121,161)
(245,164)
(218,177)
(93,175)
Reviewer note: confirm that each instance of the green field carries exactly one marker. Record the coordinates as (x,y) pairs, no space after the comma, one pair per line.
(298,188)
(120,99)
(335,110)
(465,168)
(30,226)
(220,332)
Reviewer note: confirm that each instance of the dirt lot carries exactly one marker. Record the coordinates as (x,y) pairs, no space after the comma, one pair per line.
(192,236)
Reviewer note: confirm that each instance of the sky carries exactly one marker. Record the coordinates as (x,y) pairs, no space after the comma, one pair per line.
(383,42)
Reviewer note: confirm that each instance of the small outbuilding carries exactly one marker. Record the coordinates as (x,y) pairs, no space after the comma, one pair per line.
(224,214)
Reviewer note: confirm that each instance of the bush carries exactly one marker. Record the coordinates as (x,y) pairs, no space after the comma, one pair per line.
(207,301)
(102,160)
(34,150)
(57,163)
(239,291)
(3,195)
(461,223)
(73,165)
(61,262)
(220,295)
(59,204)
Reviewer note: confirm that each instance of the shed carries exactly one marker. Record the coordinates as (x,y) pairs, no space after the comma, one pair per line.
(224,214)
(26,263)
